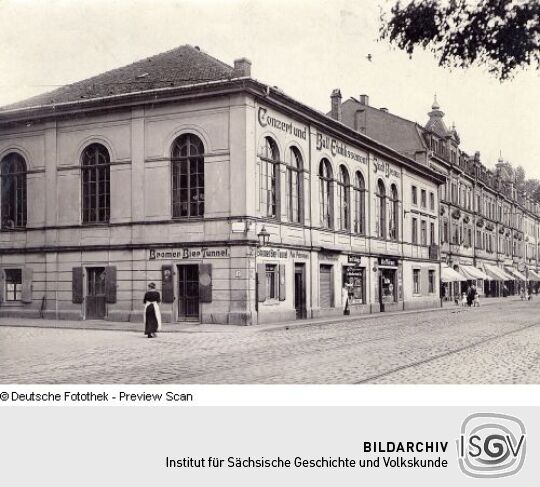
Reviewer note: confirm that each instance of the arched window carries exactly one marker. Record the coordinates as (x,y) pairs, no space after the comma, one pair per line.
(380,210)
(294,186)
(325,180)
(359,190)
(393,214)
(269,178)
(344,198)
(96,187)
(187,177)
(13,187)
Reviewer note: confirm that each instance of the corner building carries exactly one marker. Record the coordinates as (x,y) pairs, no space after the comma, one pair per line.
(242,204)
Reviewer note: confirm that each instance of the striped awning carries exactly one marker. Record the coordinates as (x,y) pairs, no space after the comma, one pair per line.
(497,273)
(450,275)
(533,275)
(517,275)
(473,273)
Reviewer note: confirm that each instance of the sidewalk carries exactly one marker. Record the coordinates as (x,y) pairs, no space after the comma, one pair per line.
(204,328)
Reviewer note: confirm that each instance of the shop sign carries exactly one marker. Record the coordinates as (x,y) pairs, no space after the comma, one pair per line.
(266,120)
(380,167)
(325,255)
(385,261)
(338,148)
(297,254)
(189,253)
(354,271)
(271,253)
(354,259)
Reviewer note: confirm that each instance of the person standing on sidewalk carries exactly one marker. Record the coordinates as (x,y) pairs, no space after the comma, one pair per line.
(152,314)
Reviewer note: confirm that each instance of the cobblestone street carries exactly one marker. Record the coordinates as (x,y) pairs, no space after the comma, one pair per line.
(498,343)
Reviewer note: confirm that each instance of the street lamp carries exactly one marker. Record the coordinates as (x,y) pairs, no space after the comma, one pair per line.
(263,239)
(263,236)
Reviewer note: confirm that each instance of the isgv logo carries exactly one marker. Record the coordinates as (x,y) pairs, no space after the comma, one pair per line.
(491,445)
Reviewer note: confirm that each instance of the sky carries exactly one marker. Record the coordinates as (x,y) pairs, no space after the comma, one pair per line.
(306,47)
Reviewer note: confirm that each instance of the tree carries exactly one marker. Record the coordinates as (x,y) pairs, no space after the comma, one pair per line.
(503,35)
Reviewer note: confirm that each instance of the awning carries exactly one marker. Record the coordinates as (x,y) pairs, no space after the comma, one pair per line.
(533,275)
(450,275)
(517,275)
(471,272)
(496,273)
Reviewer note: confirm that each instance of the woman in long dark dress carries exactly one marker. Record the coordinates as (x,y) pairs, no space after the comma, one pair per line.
(152,315)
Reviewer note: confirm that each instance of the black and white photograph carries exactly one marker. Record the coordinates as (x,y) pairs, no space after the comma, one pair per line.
(269,192)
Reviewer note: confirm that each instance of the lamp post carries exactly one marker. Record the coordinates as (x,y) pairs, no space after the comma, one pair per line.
(263,238)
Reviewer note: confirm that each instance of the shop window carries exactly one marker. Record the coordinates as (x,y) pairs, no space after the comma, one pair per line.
(326,201)
(13,286)
(354,279)
(343,199)
(359,190)
(416,281)
(414,195)
(13,188)
(414,230)
(269,173)
(380,208)
(96,197)
(388,285)
(326,288)
(272,281)
(431,282)
(294,185)
(423,201)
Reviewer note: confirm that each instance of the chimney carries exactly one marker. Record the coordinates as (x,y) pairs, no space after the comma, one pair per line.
(364,100)
(242,68)
(385,110)
(335,100)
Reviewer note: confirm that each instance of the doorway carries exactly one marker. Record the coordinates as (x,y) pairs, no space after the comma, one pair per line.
(387,288)
(188,293)
(95,293)
(300,291)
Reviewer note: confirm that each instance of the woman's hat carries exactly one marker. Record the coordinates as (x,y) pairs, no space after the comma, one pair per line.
(152,285)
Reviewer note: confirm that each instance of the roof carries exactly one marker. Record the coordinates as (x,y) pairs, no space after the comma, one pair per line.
(181,66)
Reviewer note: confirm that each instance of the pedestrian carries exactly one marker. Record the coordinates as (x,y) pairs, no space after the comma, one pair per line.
(152,314)
(470,296)
(464,300)
(476,299)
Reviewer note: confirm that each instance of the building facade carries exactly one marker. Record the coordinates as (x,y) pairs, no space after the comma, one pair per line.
(488,226)
(243,205)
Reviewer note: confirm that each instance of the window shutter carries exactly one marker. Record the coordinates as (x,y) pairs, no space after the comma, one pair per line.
(261,282)
(282,283)
(110,284)
(26,295)
(77,285)
(167,283)
(2,275)
(205,283)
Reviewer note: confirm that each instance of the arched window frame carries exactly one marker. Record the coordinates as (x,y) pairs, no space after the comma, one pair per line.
(295,167)
(96,184)
(13,171)
(359,190)
(393,214)
(269,178)
(326,189)
(187,173)
(344,199)
(380,210)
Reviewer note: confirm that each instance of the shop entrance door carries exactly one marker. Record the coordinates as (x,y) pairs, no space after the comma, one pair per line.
(188,293)
(300,291)
(387,288)
(95,293)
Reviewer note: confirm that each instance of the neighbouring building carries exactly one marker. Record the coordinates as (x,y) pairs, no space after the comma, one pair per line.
(488,227)
(242,204)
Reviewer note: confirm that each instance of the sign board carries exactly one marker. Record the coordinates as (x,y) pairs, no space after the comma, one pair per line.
(385,261)
(354,259)
(189,253)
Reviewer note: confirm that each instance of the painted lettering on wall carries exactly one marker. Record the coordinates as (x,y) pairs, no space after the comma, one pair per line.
(266,120)
(380,167)
(338,148)
(189,253)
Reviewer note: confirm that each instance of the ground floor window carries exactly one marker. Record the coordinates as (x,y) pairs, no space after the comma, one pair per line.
(326,289)
(416,281)
(13,284)
(431,282)
(354,279)
(272,281)
(388,286)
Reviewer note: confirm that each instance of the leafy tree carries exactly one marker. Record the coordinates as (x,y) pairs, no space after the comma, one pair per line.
(503,35)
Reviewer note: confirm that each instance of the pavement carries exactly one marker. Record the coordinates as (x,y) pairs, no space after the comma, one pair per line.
(496,343)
